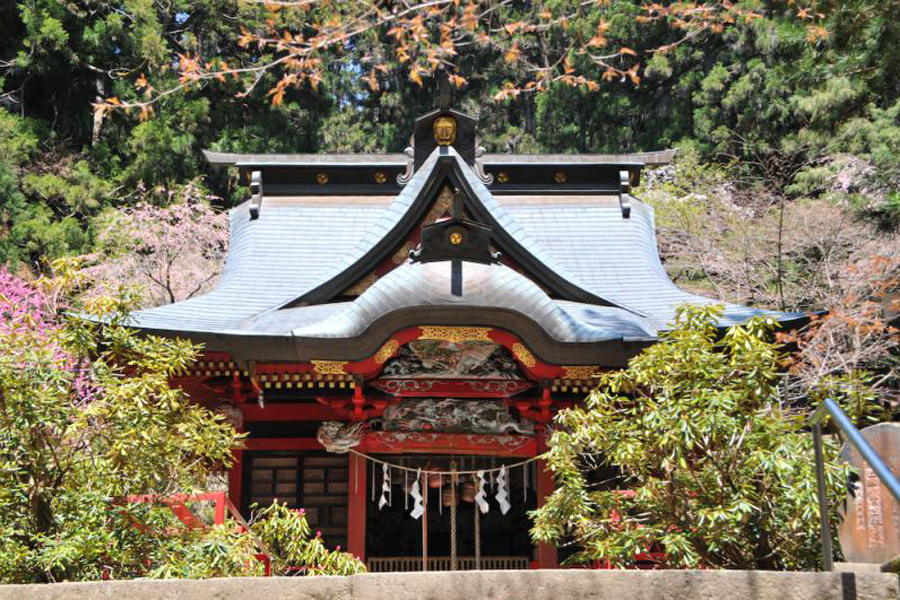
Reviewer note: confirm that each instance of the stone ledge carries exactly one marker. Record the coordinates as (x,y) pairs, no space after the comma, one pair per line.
(514,585)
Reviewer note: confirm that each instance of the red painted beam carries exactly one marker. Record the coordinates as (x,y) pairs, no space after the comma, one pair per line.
(292,412)
(448,443)
(283,444)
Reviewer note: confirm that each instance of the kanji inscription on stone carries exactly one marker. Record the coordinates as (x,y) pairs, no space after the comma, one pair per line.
(870,530)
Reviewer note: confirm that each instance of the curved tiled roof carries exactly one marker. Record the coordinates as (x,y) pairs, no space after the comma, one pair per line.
(604,270)
(484,286)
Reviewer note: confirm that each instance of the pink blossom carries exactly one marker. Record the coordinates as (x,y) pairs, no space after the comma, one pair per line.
(168,254)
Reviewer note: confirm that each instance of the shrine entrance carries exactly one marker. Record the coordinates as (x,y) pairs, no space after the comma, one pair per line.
(495,539)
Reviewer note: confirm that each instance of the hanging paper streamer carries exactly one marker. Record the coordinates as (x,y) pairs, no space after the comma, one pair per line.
(503,491)
(481,496)
(373,480)
(416,494)
(385,486)
(405,489)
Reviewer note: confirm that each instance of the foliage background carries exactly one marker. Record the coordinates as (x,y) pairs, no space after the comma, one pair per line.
(775,105)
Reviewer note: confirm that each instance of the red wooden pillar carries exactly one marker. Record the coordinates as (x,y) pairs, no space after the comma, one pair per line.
(356,507)
(236,477)
(547,555)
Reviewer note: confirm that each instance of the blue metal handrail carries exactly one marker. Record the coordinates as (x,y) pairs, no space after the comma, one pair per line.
(830,408)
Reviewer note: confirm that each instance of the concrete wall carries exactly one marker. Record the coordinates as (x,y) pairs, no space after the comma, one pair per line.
(494,585)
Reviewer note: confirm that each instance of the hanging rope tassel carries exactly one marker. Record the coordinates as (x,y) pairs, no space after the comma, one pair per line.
(453,483)
(526,470)
(478,540)
(503,491)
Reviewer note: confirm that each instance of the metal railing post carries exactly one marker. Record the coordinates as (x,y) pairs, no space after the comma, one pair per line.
(824,505)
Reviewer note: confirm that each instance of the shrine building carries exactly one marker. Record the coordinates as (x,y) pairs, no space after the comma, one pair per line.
(388,324)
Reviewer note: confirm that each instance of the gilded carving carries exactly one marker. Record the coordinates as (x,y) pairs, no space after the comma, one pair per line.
(455,334)
(399,257)
(380,177)
(386,351)
(322,178)
(445,130)
(329,367)
(441,205)
(523,354)
(560,177)
(362,285)
(581,372)
(503,177)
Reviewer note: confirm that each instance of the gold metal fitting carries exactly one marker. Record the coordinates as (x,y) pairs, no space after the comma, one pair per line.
(322,178)
(444,130)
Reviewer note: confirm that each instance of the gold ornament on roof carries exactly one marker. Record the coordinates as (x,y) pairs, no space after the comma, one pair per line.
(455,334)
(358,288)
(329,367)
(444,130)
(582,372)
(560,177)
(380,177)
(386,351)
(322,178)
(502,177)
(456,238)
(523,354)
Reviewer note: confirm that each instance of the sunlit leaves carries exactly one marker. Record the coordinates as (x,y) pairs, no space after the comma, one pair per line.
(426,37)
(88,416)
(714,470)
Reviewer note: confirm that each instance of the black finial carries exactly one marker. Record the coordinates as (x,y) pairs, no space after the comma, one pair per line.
(445,91)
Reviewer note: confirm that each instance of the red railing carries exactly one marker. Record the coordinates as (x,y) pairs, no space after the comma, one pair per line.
(178,504)
(653,558)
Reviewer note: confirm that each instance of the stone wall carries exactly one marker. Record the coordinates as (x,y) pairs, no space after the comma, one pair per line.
(494,585)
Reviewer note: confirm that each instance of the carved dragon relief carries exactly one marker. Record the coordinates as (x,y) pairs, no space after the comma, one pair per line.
(428,415)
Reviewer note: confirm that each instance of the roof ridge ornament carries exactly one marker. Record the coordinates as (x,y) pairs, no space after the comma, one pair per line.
(442,128)
(456,238)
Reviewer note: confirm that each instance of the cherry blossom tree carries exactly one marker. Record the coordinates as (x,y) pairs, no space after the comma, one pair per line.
(164,254)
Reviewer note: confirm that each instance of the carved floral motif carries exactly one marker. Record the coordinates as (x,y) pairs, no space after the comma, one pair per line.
(582,372)
(523,354)
(329,367)
(451,333)
(386,351)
